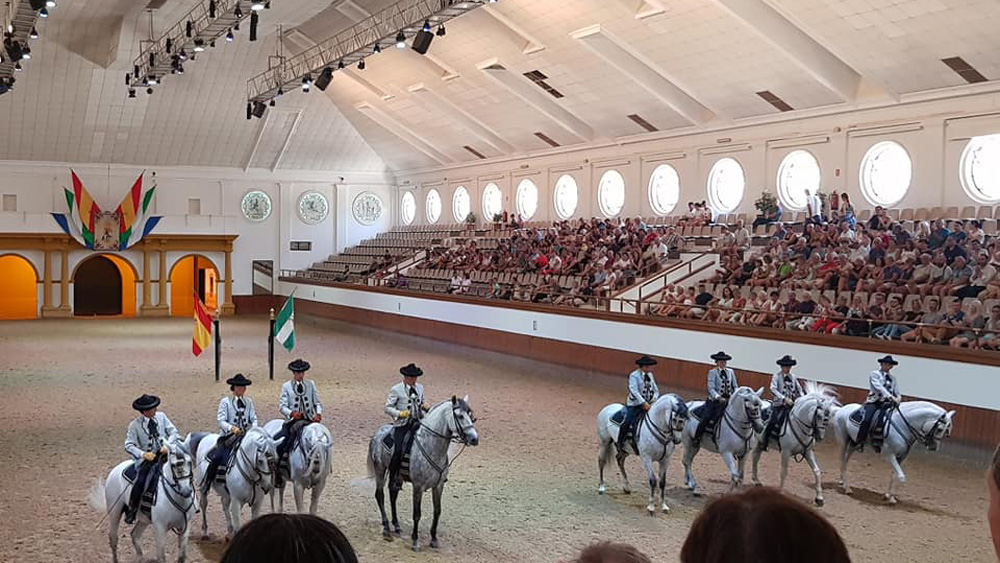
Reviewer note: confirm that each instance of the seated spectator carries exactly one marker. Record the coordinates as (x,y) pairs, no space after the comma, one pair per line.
(928,322)
(607,552)
(993,513)
(897,320)
(961,276)
(832,317)
(456,284)
(989,339)
(855,321)
(722,305)
(938,235)
(801,317)
(465,285)
(702,301)
(762,525)
(289,538)
(974,324)
(992,290)
(767,309)
(983,273)
(666,299)
(940,278)
(736,311)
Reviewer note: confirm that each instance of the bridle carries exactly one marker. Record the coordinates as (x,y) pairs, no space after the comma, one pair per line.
(749,425)
(928,438)
(253,467)
(172,487)
(812,427)
(677,420)
(449,435)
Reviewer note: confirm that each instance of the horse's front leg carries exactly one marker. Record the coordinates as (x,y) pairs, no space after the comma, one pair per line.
(602,460)
(756,459)
(626,488)
(734,471)
(160,534)
(393,496)
(137,530)
(258,503)
(663,482)
(647,462)
(380,500)
(182,544)
(689,452)
(297,491)
(897,475)
(845,456)
(811,460)
(784,468)
(418,496)
(436,494)
(227,499)
(234,516)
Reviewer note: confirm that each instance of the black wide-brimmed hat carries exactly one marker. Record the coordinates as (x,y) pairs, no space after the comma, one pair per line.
(239,381)
(786,360)
(411,370)
(888,360)
(146,402)
(645,361)
(299,365)
(721,356)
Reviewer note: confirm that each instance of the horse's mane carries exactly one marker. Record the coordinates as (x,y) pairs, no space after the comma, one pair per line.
(820,391)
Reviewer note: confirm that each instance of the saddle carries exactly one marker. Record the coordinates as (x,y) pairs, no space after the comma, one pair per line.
(619,417)
(389,444)
(712,427)
(879,425)
(148,498)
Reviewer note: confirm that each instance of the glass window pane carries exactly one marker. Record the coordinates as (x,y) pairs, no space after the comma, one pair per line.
(527,199)
(886,171)
(664,189)
(461,204)
(433,206)
(566,196)
(492,202)
(726,184)
(980,168)
(611,193)
(408,208)
(798,174)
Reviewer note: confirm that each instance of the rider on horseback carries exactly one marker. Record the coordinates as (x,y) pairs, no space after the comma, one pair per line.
(145,441)
(642,392)
(236,415)
(883,395)
(721,385)
(785,388)
(300,405)
(406,406)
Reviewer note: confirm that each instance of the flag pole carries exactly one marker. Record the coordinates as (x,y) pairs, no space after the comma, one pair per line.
(218,345)
(270,346)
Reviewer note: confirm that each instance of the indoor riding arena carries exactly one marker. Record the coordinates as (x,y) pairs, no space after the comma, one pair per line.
(532,236)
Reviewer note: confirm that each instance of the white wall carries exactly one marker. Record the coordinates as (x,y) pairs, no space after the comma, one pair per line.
(39,190)
(934,132)
(968,384)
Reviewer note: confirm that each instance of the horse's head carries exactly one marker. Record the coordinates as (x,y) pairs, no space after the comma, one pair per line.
(937,430)
(747,404)
(261,451)
(318,445)
(463,423)
(179,464)
(678,418)
(822,399)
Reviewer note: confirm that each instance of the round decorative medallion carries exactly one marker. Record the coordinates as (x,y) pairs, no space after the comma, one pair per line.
(313,207)
(367,208)
(256,205)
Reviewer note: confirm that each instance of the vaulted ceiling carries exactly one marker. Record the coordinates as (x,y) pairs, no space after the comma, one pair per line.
(670,64)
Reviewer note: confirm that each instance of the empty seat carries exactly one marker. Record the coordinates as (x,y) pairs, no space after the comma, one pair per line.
(985,212)
(893,214)
(906,215)
(922,214)
(968,212)
(865,215)
(951,213)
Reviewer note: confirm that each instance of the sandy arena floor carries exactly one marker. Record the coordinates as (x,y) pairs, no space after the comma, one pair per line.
(528,493)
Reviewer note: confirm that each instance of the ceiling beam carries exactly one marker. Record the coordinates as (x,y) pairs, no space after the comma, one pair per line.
(536,98)
(643,72)
(432,101)
(531,43)
(395,127)
(814,58)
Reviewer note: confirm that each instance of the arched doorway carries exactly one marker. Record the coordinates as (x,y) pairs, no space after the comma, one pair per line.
(18,288)
(193,274)
(97,288)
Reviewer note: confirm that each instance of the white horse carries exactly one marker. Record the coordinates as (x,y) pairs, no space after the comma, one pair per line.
(657,436)
(735,436)
(805,425)
(248,480)
(309,464)
(911,422)
(172,510)
(446,422)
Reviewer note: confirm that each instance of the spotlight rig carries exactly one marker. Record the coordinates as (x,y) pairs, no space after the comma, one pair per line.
(19,21)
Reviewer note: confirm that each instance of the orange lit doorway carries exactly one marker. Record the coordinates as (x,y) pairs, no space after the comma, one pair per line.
(18,288)
(190,275)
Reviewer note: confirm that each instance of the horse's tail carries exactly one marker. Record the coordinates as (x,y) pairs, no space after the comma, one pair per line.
(370,461)
(191,443)
(97,499)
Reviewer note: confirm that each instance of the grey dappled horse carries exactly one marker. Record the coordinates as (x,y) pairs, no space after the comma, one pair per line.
(736,432)
(309,464)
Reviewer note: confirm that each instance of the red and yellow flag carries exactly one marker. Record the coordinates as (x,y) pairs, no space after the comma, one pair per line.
(202,327)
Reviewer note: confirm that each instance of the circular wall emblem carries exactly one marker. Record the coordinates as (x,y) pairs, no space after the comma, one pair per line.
(367,208)
(256,205)
(313,207)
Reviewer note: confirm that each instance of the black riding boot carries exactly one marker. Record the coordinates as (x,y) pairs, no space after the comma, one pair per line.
(399,438)
(138,487)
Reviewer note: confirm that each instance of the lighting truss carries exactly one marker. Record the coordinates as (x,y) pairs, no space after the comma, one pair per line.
(19,14)
(204,29)
(355,43)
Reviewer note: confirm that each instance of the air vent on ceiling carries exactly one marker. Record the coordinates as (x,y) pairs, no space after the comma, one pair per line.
(474,151)
(964,69)
(538,78)
(155,4)
(775,101)
(495,66)
(546,138)
(643,123)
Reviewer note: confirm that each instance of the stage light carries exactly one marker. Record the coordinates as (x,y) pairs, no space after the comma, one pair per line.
(254,19)
(149,91)
(182,55)
(378,48)
(238,13)
(180,68)
(50,3)
(441,32)
(199,46)
(271,103)
(43,13)
(340,64)
(189,28)
(229,36)
(236,26)
(25,52)
(17,66)
(131,92)
(427,26)
(249,111)
(170,45)
(33,34)
(211,43)
(258,109)
(361,64)
(281,91)
(257,5)
(306,82)
(324,79)
(211,9)
(151,80)
(400,40)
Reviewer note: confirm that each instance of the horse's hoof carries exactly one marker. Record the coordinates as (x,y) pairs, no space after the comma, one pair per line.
(696,492)
(386,535)
(434,544)
(889,498)
(757,484)
(819,501)
(205,536)
(600,490)
(398,532)
(666,509)
(651,509)
(415,548)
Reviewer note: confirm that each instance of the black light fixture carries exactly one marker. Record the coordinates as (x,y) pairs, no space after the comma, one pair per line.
(199,45)
(211,9)
(236,26)
(189,28)
(43,13)
(131,92)
(400,40)
(169,45)
(281,91)
(271,103)
(361,64)
(254,20)
(306,82)
(340,64)
(258,109)
(17,66)
(441,32)
(34,33)
(378,48)
(324,79)
(249,111)
(149,91)
(37,4)
(182,56)
(427,26)
(25,52)
(50,3)
(151,80)
(211,43)
(229,36)
(238,13)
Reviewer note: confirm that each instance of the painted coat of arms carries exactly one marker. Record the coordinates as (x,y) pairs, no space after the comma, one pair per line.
(107,230)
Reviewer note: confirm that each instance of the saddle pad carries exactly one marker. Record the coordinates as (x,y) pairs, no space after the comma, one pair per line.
(129,473)
(857,416)
(619,417)
(388,442)
(698,413)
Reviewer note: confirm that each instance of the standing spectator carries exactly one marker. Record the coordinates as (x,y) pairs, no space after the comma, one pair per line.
(814,207)
(847,210)
(990,337)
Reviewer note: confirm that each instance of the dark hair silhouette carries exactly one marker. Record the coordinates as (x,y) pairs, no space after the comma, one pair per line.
(762,525)
(608,552)
(289,538)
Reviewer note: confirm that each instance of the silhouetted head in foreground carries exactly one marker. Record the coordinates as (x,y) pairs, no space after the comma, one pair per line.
(608,552)
(289,538)
(762,525)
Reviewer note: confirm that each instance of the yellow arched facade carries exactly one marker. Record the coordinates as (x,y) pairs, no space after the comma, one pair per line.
(18,288)
(189,275)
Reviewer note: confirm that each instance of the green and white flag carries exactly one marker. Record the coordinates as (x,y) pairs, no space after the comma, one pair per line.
(284,324)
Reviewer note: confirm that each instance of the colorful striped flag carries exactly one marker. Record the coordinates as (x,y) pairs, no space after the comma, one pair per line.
(202,327)
(284,324)
(83,211)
